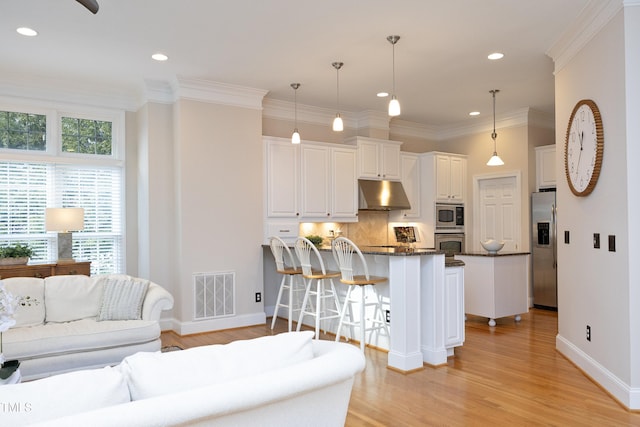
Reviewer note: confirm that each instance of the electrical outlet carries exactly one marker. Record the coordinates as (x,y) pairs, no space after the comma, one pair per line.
(596,240)
(258,296)
(387,316)
(588,333)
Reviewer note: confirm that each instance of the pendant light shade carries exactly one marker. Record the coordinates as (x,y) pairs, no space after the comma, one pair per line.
(495,160)
(295,138)
(338,125)
(394,104)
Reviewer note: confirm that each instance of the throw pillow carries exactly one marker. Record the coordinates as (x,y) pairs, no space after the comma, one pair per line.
(122,298)
(71,297)
(61,395)
(155,374)
(30,293)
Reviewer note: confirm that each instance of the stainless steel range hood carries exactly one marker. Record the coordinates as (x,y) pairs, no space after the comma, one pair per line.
(382,195)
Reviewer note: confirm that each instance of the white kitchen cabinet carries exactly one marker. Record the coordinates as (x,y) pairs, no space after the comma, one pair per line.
(329,184)
(496,285)
(454,307)
(313,182)
(546,167)
(282,183)
(450,177)
(377,158)
(410,166)
(344,201)
(315,162)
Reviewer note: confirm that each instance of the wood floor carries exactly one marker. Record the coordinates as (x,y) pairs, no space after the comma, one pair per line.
(507,375)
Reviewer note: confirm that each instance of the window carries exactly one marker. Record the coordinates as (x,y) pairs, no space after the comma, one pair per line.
(23,131)
(77,168)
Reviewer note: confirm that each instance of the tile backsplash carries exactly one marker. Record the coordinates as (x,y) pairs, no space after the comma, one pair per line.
(372,228)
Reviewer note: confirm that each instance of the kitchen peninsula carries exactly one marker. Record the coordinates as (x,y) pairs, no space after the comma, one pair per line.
(422,310)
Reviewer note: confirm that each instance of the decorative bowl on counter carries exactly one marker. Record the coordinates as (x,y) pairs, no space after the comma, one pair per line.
(492,246)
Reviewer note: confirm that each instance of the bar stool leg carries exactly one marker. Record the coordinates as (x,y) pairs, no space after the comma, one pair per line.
(275,312)
(363,325)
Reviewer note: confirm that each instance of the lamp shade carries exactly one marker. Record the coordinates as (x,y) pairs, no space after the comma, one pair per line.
(64,219)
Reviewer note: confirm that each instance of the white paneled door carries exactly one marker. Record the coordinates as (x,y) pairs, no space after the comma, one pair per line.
(499,211)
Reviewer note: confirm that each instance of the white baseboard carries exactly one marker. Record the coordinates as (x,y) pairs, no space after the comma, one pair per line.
(210,325)
(626,395)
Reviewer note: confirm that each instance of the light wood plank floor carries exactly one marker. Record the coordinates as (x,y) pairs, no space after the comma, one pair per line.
(507,375)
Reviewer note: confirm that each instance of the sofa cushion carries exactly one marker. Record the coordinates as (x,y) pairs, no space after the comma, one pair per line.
(154,374)
(30,292)
(61,395)
(78,336)
(122,298)
(71,297)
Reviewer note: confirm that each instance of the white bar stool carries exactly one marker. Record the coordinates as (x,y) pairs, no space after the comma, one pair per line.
(344,250)
(287,267)
(324,296)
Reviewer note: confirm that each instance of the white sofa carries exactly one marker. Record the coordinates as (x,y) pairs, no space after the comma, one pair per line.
(64,322)
(281,380)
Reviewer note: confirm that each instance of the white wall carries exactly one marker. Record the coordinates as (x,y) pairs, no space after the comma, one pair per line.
(218,202)
(594,284)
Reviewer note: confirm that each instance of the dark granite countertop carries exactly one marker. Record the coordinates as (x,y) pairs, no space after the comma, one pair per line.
(500,253)
(387,250)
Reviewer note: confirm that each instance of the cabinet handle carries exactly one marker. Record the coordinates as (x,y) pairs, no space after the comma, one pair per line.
(328,214)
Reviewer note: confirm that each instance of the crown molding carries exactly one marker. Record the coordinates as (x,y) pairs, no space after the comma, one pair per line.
(371,119)
(217,93)
(416,130)
(65,91)
(595,15)
(284,110)
(158,91)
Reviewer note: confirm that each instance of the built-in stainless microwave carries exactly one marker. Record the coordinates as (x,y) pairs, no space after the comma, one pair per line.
(449,216)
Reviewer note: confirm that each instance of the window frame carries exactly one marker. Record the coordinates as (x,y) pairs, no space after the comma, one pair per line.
(53,153)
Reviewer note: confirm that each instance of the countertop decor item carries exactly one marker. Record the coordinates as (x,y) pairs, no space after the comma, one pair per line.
(492,246)
(316,240)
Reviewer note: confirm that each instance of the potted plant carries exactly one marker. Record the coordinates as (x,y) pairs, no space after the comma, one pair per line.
(15,254)
(316,240)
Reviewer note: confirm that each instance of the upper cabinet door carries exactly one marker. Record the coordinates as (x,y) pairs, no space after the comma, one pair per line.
(450,178)
(282,179)
(377,159)
(390,162)
(315,161)
(546,166)
(368,160)
(458,176)
(344,183)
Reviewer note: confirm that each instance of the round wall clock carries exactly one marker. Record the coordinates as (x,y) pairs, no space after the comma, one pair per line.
(583,148)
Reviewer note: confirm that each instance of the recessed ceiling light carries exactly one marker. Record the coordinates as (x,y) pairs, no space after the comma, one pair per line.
(474,113)
(159,56)
(495,55)
(382,94)
(25,31)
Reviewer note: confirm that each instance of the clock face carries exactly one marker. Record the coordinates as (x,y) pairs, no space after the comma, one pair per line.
(583,148)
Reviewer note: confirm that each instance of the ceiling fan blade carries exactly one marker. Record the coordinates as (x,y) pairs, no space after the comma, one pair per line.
(92,5)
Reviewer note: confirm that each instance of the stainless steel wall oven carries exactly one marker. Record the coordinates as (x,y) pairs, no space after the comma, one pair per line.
(450,243)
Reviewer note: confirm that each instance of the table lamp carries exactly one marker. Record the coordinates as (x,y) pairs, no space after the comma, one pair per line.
(64,220)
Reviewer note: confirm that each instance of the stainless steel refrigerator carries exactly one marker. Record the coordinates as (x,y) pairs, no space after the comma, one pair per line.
(543,250)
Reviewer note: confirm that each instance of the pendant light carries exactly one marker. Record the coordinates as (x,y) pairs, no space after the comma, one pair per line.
(394,104)
(295,138)
(495,160)
(338,125)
